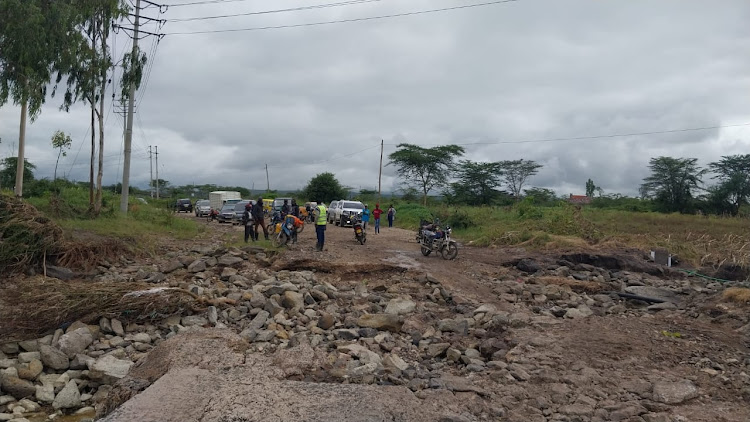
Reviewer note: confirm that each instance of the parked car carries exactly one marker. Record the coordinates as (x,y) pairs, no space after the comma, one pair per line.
(346,209)
(226,215)
(184,205)
(331,207)
(239,209)
(279,202)
(202,208)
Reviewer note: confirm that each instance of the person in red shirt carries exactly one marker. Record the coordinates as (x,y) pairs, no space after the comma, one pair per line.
(376,215)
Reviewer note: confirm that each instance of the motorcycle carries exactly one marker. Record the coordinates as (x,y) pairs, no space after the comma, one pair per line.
(274,226)
(432,239)
(359,230)
(283,236)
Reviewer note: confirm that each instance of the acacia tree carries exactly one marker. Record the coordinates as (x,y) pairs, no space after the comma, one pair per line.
(734,173)
(477,183)
(61,142)
(516,172)
(88,77)
(37,40)
(8,167)
(324,187)
(426,168)
(672,182)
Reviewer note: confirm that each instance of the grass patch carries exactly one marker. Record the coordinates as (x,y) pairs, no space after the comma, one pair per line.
(698,240)
(737,295)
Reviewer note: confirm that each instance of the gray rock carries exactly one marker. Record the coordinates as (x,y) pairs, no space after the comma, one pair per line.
(400,306)
(674,392)
(264,335)
(518,372)
(365,369)
(105,326)
(76,341)
(577,410)
(582,311)
(393,362)
(8,363)
(293,300)
(228,272)
(279,289)
(229,260)
(27,357)
(212,314)
(453,355)
(385,322)
(17,387)
(31,370)
(53,358)
(198,320)
(273,307)
(109,369)
(9,348)
(197,266)
(346,334)
(528,265)
(142,338)
(68,398)
(117,327)
(318,295)
(437,349)
(60,273)
(259,321)
(29,345)
(171,266)
(454,326)
(653,292)
(662,306)
(45,393)
(81,361)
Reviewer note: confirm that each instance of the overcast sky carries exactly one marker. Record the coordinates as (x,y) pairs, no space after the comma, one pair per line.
(221,105)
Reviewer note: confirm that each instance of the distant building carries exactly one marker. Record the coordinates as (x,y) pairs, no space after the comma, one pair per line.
(579,199)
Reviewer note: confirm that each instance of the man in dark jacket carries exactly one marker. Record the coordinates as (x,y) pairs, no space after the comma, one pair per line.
(285,209)
(295,208)
(247,221)
(258,218)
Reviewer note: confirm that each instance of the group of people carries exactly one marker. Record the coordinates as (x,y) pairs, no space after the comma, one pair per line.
(254,216)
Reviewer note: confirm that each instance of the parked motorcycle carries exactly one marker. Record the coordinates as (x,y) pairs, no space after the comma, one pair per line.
(274,226)
(432,238)
(359,231)
(283,236)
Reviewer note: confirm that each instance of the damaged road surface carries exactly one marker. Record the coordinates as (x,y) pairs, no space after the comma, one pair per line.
(378,332)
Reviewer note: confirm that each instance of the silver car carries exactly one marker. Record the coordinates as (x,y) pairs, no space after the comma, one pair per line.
(202,208)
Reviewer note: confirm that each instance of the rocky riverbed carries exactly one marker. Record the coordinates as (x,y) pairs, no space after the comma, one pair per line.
(337,336)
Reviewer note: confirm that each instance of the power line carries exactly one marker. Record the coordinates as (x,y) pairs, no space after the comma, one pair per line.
(265,12)
(369,18)
(619,135)
(196,3)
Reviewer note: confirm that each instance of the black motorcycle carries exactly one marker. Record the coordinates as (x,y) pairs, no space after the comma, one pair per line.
(359,230)
(432,238)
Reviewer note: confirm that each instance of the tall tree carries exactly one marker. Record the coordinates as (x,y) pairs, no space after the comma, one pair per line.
(590,188)
(426,168)
(734,173)
(89,77)
(37,40)
(672,182)
(477,183)
(516,173)
(61,142)
(324,187)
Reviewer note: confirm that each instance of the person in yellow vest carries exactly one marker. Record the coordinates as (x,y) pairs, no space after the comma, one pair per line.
(321,219)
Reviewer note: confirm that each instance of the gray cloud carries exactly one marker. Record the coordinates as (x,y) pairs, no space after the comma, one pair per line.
(220,106)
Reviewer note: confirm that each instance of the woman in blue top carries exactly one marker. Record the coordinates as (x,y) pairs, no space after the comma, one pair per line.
(365,217)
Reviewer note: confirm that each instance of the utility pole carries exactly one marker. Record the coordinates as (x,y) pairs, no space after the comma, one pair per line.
(157,171)
(151,173)
(268,181)
(129,127)
(380,170)
(21,163)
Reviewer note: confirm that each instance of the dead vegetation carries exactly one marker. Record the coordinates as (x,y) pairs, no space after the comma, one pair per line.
(26,236)
(577,286)
(737,295)
(32,307)
(331,267)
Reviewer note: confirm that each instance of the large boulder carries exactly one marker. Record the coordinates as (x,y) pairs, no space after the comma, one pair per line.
(68,398)
(74,342)
(674,392)
(108,369)
(53,358)
(400,306)
(17,387)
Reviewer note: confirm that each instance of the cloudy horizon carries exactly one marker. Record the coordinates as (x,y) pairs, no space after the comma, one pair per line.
(311,99)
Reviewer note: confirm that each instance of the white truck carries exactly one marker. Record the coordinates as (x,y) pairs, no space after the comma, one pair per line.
(220,197)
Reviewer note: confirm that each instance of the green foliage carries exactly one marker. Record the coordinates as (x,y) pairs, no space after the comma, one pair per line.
(426,168)
(672,183)
(623,203)
(541,196)
(8,171)
(476,185)
(590,188)
(516,172)
(528,211)
(61,142)
(323,188)
(733,192)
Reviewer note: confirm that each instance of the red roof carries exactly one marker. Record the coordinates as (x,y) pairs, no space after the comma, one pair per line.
(579,199)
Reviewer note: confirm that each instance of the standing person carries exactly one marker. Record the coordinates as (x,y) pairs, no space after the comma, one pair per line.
(376,215)
(365,217)
(285,209)
(321,219)
(295,208)
(259,219)
(391,215)
(247,221)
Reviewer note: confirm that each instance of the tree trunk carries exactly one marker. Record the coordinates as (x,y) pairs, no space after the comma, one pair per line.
(98,206)
(56,163)
(93,151)
(21,163)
